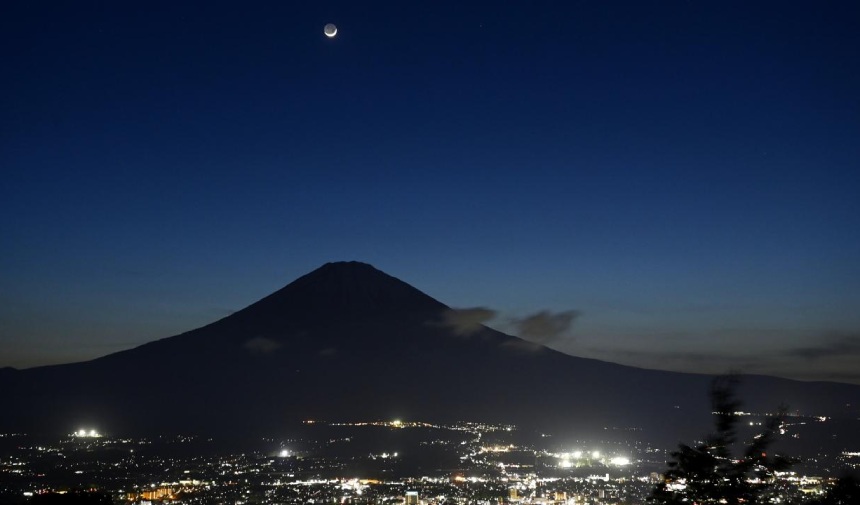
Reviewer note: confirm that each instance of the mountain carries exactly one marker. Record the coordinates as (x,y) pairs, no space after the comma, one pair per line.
(349,342)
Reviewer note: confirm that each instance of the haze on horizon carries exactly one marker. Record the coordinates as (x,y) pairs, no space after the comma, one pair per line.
(683,177)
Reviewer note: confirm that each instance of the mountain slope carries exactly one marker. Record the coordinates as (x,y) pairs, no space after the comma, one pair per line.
(348,342)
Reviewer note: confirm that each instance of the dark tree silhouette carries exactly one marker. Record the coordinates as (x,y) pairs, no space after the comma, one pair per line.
(709,472)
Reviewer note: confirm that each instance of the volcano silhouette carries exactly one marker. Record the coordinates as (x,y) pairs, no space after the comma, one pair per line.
(349,342)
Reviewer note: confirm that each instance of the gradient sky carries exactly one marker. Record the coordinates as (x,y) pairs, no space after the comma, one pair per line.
(684,174)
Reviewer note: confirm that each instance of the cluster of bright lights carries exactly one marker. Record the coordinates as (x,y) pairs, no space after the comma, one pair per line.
(496,448)
(356,485)
(87,434)
(569,459)
(678,485)
(284,453)
(461,478)
(620,461)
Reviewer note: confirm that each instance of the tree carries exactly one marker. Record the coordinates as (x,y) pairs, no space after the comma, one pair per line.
(709,473)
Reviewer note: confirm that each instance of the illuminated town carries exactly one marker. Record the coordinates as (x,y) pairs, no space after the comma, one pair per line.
(378,462)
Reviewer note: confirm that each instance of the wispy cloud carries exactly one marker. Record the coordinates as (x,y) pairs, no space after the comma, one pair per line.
(522,345)
(544,326)
(467,321)
(540,327)
(832,357)
(688,361)
(832,346)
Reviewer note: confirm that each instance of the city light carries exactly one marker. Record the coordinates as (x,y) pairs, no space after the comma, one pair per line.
(87,434)
(600,477)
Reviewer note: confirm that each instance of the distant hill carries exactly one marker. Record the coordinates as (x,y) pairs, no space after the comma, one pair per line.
(349,342)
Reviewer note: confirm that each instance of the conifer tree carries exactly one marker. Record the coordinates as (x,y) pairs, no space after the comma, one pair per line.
(710,472)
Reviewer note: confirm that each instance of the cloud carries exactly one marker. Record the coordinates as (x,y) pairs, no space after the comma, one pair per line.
(725,361)
(826,375)
(706,362)
(540,327)
(467,321)
(522,345)
(261,345)
(835,346)
(833,359)
(544,326)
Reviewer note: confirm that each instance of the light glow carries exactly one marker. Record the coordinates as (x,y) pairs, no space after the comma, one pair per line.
(87,434)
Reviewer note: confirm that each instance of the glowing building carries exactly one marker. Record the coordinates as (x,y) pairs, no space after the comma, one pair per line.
(411,497)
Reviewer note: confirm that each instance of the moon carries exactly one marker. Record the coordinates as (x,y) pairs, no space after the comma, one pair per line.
(330,30)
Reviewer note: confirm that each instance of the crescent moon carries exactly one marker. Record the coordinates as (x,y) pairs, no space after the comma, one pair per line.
(330,30)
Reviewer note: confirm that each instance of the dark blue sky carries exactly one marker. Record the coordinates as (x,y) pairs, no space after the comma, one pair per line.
(685,174)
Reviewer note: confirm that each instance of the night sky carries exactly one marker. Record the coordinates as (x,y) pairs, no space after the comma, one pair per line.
(685,175)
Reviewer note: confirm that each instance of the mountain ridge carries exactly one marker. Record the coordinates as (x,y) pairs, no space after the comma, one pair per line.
(347,341)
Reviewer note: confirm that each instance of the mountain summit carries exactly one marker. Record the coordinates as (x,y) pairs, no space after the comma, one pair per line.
(349,342)
(346,289)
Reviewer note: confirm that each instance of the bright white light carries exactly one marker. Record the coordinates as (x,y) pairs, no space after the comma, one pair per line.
(595,454)
(565,463)
(577,454)
(94,433)
(619,461)
(284,453)
(81,433)
(397,422)
(678,485)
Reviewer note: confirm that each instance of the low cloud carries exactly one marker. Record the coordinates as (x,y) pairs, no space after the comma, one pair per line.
(261,345)
(683,361)
(522,346)
(826,375)
(540,327)
(834,346)
(467,321)
(831,358)
(544,326)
